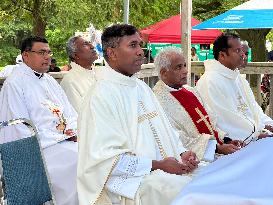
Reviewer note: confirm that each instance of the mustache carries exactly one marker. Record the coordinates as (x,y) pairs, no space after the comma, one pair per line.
(140,58)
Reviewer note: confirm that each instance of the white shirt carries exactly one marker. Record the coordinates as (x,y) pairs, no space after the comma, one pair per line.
(76,83)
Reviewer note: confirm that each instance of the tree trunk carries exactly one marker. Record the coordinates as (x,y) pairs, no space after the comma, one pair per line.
(256,39)
(39,27)
(39,24)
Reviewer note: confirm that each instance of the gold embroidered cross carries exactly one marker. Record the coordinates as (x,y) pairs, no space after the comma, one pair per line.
(149,116)
(204,118)
(242,107)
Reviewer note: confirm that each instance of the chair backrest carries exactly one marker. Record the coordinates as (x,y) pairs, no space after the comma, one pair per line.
(25,179)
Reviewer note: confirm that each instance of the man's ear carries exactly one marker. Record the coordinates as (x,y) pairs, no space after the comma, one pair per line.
(75,56)
(162,73)
(25,56)
(222,55)
(111,53)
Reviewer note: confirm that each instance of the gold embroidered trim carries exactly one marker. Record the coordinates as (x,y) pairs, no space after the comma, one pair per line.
(147,116)
(113,166)
(242,107)
(158,142)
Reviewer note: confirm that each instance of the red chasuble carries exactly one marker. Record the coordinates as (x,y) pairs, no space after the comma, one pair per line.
(197,112)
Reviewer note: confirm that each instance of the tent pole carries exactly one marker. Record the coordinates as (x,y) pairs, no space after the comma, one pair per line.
(186,8)
(149,52)
(126,11)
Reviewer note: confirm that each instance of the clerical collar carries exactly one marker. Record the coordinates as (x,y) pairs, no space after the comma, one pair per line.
(169,88)
(109,74)
(39,75)
(215,66)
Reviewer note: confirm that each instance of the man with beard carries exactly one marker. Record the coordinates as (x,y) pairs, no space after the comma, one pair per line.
(79,79)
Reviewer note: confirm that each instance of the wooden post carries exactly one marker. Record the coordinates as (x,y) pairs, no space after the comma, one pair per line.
(271,96)
(186,12)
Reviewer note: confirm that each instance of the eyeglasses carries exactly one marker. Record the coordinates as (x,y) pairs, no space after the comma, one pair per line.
(43,52)
(250,138)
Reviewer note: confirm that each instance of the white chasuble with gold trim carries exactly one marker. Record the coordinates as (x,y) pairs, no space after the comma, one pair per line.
(123,125)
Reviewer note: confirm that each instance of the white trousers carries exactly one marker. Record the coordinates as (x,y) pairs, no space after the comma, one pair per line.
(61,160)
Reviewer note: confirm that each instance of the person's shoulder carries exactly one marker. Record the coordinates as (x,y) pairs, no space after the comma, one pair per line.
(244,80)
(143,84)
(67,78)
(211,83)
(9,67)
(16,76)
(189,88)
(51,79)
(16,80)
(102,92)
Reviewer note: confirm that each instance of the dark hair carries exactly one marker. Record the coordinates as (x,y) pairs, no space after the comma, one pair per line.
(27,43)
(111,36)
(53,60)
(221,43)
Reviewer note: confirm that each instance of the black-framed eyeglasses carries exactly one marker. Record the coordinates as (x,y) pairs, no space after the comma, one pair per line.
(43,52)
(250,138)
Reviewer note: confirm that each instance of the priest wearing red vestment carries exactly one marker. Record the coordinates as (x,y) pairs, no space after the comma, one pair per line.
(186,110)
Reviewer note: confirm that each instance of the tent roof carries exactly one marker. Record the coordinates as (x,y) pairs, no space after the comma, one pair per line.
(251,14)
(169,31)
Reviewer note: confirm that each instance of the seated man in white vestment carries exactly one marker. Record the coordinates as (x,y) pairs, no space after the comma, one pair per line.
(78,80)
(31,93)
(229,95)
(186,110)
(128,151)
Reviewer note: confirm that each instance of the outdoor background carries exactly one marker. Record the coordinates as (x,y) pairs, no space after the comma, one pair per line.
(58,20)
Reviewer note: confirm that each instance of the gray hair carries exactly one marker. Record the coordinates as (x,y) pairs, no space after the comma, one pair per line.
(163,60)
(71,47)
(244,43)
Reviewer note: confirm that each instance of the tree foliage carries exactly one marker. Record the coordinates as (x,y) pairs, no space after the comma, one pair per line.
(57,20)
(11,35)
(206,9)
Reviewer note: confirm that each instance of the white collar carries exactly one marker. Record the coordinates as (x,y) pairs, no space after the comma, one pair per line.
(79,68)
(216,66)
(160,84)
(29,71)
(109,74)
